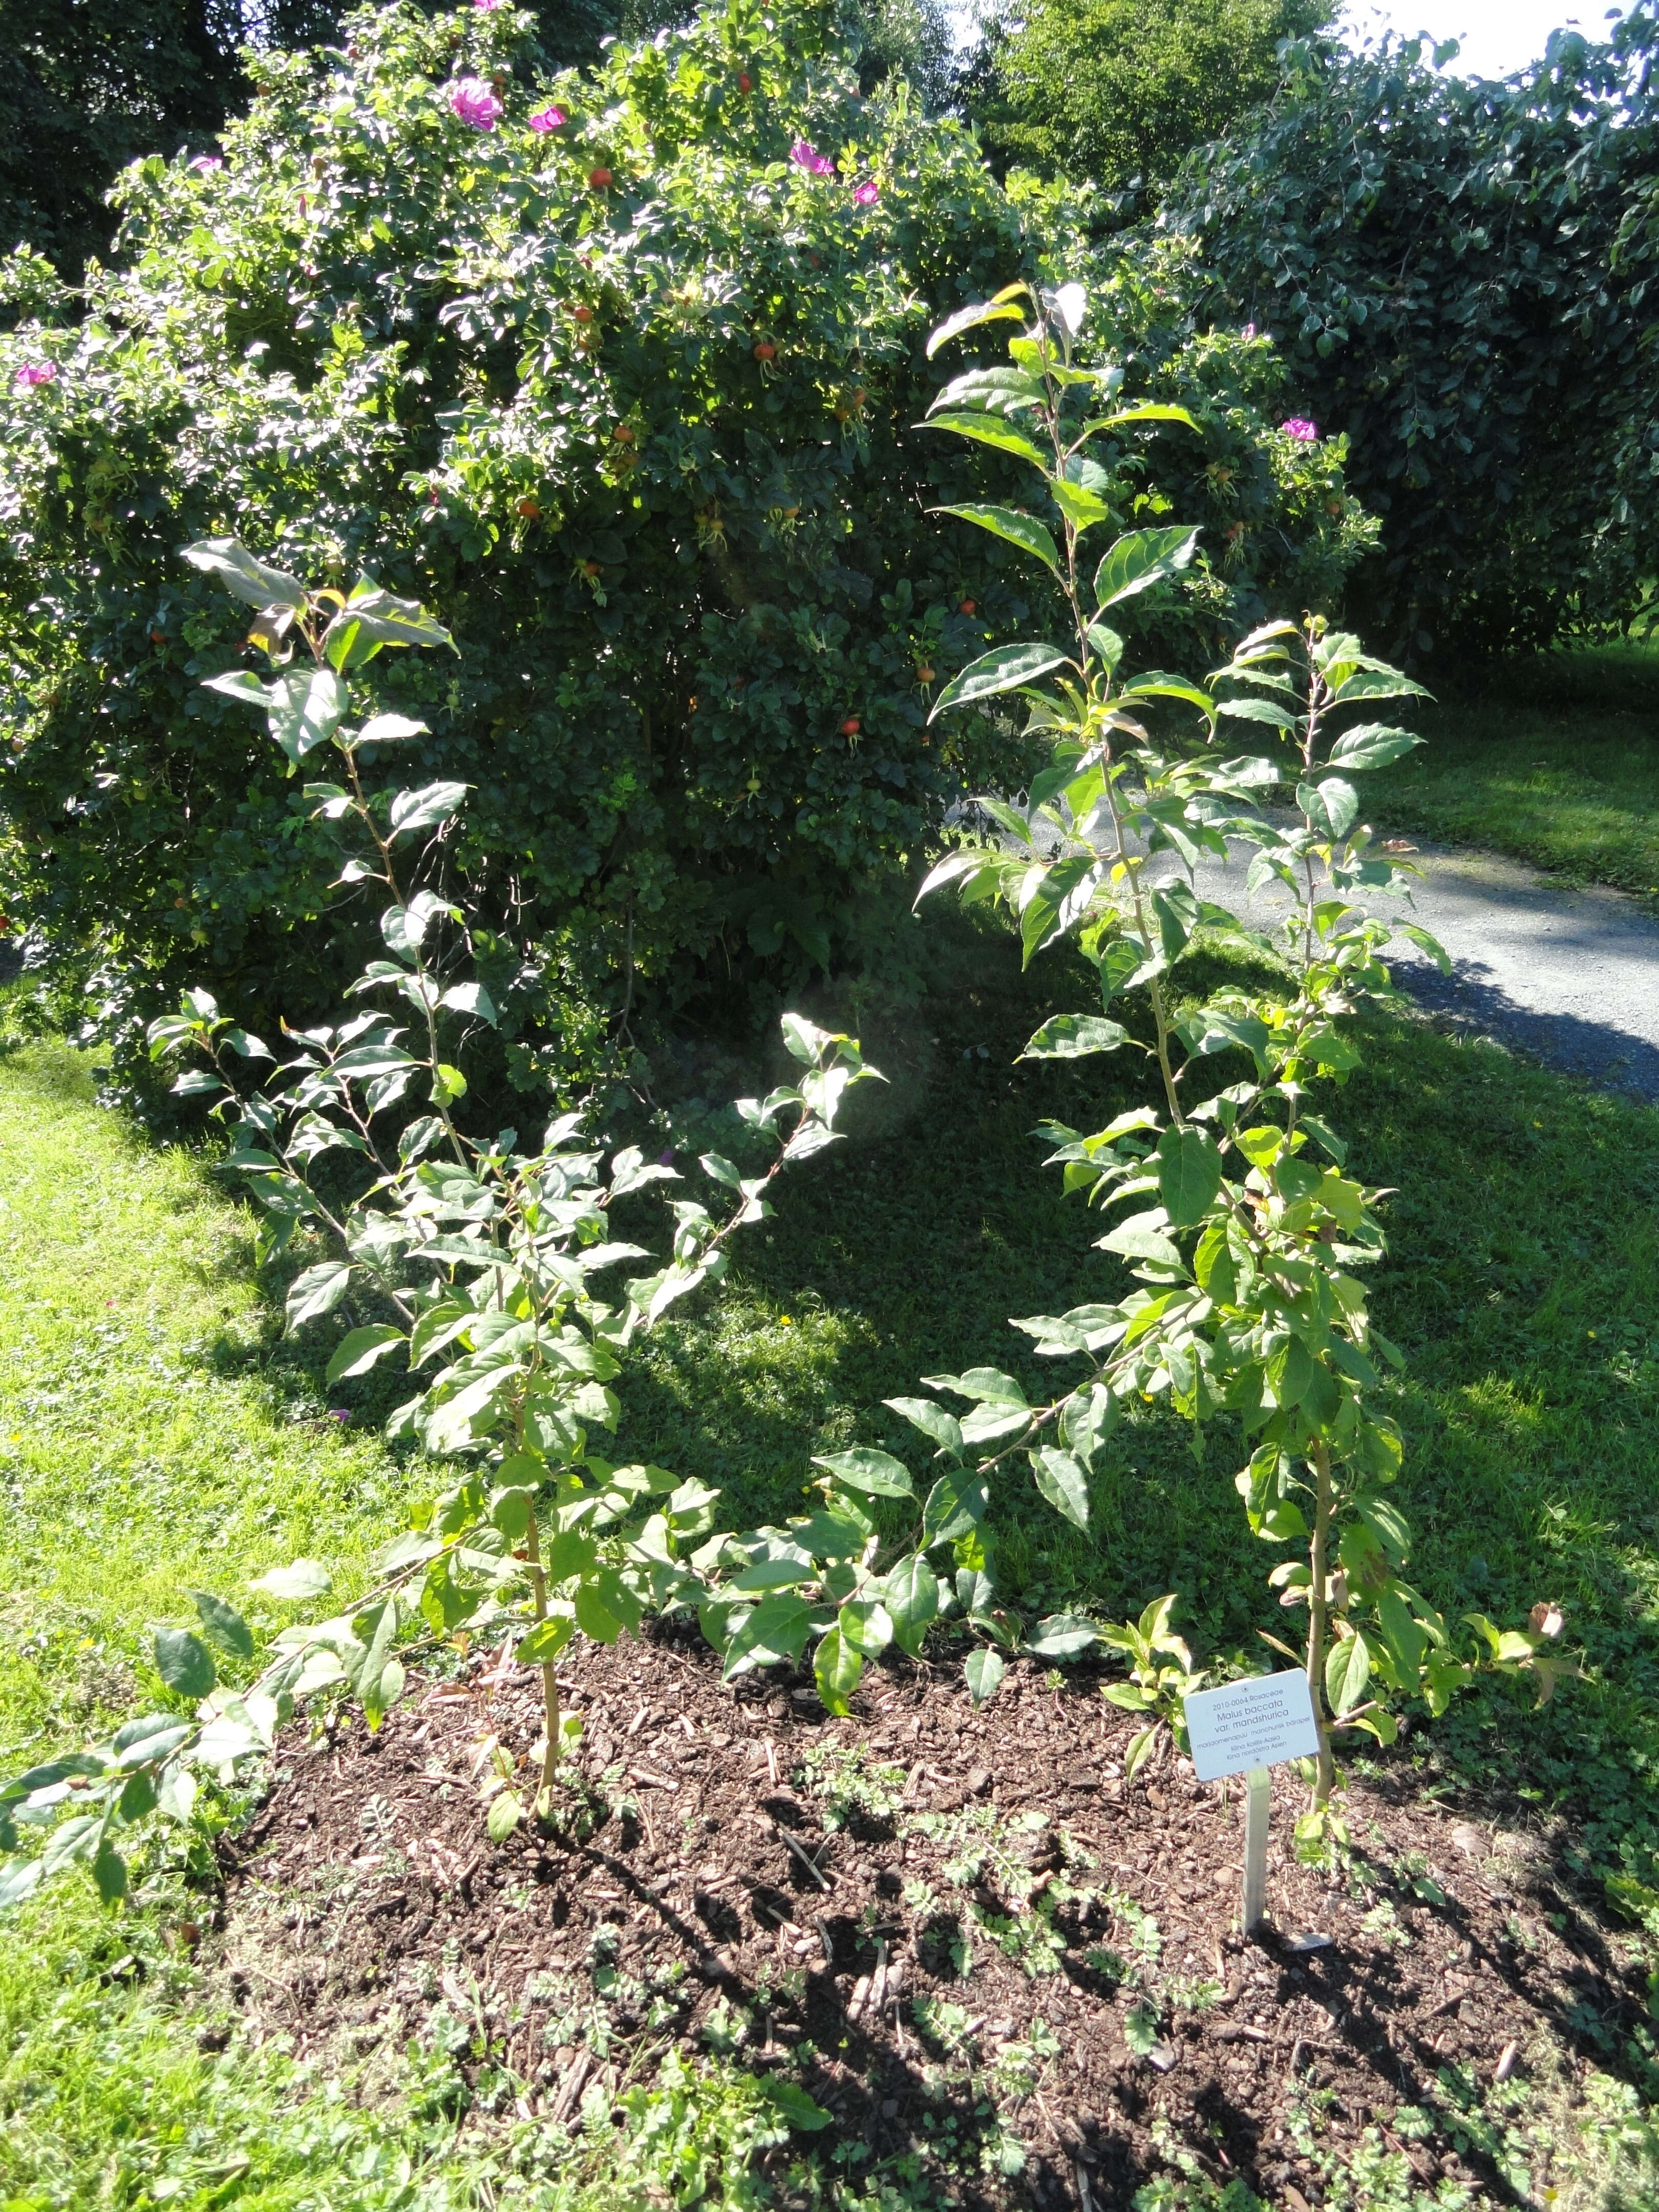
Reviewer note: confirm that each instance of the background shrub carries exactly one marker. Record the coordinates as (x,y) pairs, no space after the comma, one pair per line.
(631,400)
(1461,275)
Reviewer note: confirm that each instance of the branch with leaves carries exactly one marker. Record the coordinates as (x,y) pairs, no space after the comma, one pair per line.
(1250,1236)
(479,1264)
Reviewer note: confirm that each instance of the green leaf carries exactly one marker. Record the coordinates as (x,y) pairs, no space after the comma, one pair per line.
(1063,1636)
(243,577)
(372,618)
(318,1290)
(988,430)
(1403,1632)
(304,706)
(223,1624)
(866,1625)
(1188,1174)
(969,319)
(1137,1239)
(1082,507)
(956,1504)
(593,1617)
(876,1473)
(1260,710)
(390,730)
(505,1812)
(985,1669)
(356,1353)
(1348,1671)
(1142,558)
(1291,1372)
(910,1593)
(424,809)
(1378,683)
(305,1579)
(1071,1036)
(19,1879)
(109,1875)
(1147,410)
(999,391)
(1019,529)
(1332,804)
(184,1663)
(1062,1481)
(777,1629)
(544,1642)
(1007,669)
(1371,745)
(792,2102)
(931,1419)
(836,1667)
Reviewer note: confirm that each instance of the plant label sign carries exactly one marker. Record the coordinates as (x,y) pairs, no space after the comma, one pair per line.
(1257,1722)
(1248,1728)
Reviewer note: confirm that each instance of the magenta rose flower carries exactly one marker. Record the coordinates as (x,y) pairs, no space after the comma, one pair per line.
(36,372)
(489,7)
(548,118)
(1304,432)
(805,155)
(476,105)
(867,193)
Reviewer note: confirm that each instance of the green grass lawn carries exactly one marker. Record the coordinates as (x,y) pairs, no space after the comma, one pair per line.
(156,1435)
(1554,761)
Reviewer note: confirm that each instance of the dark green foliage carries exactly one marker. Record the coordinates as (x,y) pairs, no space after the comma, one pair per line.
(650,443)
(1120,90)
(87,85)
(1461,275)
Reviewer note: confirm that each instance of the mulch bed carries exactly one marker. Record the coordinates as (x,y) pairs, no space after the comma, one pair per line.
(722,1896)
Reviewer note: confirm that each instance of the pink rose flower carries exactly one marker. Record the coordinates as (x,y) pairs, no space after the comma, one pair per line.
(805,155)
(205,163)
(36,372)
(474,103)
(1248,331)
(1304,432)
(867,193)
(489,7)
(548,118)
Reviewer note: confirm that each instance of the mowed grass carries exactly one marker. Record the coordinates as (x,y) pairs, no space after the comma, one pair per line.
(1554,761)
(158,1436)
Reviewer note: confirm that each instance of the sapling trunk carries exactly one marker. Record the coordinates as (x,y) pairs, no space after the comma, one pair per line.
(1319,1569)
(550,1679)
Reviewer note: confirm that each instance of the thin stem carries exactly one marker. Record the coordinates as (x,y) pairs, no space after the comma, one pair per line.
(550,1679)
(1319,1568)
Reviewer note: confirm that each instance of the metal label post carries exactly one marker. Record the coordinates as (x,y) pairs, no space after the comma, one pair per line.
(1258,1812)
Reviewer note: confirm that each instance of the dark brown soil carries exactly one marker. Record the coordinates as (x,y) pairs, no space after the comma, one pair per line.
(684,1903)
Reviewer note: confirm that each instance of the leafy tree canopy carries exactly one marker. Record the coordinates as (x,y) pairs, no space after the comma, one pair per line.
(1461,276)
(1115,90)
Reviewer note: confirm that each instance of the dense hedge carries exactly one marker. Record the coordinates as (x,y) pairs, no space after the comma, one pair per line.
(627,399)
(1462,276)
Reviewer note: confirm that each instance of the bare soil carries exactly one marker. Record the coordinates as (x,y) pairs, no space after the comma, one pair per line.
(995,1965)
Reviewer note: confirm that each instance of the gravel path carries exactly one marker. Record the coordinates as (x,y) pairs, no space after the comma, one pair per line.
(1571,977)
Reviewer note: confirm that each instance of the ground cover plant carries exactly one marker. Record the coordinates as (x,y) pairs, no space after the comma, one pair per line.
(621,372)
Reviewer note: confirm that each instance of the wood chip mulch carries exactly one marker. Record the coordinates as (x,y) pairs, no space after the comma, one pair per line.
(1000,1968)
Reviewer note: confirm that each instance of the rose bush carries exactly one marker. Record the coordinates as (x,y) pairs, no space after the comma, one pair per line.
(598,367)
